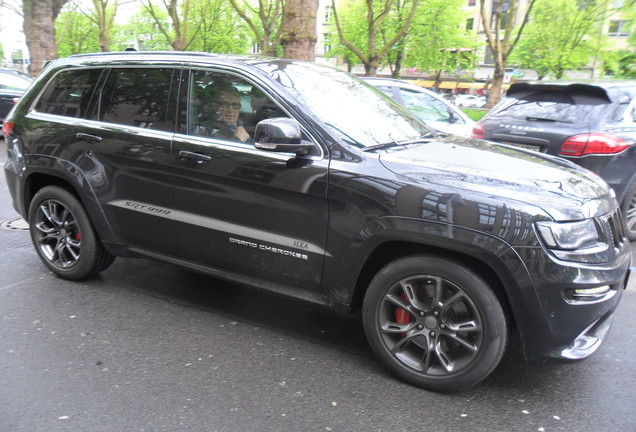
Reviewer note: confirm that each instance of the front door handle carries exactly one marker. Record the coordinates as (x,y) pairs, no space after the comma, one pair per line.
(88,137)
(195,157)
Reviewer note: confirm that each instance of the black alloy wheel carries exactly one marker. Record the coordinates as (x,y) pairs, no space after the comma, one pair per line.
(63,235)
(434,323)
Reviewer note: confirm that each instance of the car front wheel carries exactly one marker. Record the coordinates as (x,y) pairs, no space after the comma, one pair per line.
(434,323)
(63,235)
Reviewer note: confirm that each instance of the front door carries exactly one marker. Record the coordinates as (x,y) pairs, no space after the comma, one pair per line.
(239,209)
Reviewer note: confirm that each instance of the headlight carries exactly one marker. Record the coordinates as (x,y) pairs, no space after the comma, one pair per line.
(579,241)
(568,235)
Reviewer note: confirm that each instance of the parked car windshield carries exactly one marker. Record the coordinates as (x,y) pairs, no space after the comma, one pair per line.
(357,114)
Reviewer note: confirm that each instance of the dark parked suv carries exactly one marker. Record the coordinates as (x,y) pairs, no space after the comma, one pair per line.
(303,180)
(593,125)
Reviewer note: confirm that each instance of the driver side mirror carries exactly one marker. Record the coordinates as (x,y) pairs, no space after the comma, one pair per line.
(280,134)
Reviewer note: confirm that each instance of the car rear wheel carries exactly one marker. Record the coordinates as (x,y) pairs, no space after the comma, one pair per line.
(434,323)
(63,235)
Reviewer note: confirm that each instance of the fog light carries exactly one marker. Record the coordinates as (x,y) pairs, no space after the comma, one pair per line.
(590,293)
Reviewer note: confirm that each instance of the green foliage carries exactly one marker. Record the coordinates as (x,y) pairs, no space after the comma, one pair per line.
(437,26)
(141,32)
(352,17)
(629,12)
(219,28)
(620,64)
(475,113)
(75,34)
(561,35)
(438,40)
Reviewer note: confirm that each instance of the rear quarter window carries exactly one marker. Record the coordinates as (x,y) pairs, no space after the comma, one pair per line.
(69,92)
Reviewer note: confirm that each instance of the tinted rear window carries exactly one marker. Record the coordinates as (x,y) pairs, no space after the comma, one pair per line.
(69,93)
(552,105)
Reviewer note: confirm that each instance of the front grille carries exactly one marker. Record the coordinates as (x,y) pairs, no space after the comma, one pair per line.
(616,229)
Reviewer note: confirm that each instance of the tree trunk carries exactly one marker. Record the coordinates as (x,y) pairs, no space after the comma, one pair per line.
(371,67)
(496,86)
(39,30)
(398,64)
(105,11)
(299,29)
(438,80)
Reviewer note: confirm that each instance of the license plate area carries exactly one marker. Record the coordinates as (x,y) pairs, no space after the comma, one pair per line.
(524,146)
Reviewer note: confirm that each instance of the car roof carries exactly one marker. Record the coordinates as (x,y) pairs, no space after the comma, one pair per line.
(396,83)
(184,56)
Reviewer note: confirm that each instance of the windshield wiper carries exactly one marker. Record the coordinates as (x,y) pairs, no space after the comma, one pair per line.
(546,119)
(394,143)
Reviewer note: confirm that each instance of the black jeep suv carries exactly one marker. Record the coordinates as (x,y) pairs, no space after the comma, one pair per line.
(592,125)
(306,181)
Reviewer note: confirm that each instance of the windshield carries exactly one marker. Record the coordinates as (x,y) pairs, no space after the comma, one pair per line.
(356,113)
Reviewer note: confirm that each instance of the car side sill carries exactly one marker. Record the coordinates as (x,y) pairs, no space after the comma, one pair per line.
(247,280)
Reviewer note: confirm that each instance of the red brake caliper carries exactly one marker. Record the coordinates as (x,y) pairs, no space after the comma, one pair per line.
(401,315)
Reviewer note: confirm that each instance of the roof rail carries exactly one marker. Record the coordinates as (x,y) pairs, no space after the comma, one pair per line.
(158,53)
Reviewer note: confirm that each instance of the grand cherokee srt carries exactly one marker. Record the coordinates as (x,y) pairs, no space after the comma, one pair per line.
(305,181)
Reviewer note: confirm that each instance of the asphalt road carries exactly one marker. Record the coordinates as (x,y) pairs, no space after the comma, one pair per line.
(150,347)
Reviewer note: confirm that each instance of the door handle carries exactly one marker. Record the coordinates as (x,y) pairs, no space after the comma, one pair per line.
(88,137)
(195,157)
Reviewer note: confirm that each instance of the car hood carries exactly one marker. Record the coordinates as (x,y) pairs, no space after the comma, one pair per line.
(475,167)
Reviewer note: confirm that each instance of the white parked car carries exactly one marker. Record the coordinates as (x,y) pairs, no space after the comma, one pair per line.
(428,106)
(470,101)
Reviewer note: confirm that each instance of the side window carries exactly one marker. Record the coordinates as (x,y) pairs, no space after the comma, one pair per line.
(226,107)
(137,97)
(69,93)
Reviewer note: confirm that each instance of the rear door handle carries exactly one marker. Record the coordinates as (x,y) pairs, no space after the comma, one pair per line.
(195,157)
(89,137)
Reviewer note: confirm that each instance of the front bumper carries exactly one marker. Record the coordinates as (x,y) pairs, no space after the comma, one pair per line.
(553,324)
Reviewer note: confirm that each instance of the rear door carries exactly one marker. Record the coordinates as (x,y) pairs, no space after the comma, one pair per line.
(124,148)
(239,209)
(542,118)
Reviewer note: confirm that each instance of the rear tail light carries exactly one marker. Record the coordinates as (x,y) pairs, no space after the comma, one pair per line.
(479,131)
(7,128)
(594,143)
(15,100)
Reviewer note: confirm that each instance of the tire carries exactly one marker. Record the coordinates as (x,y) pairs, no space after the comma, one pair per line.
(628,208)
(63,235)
(434,323)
